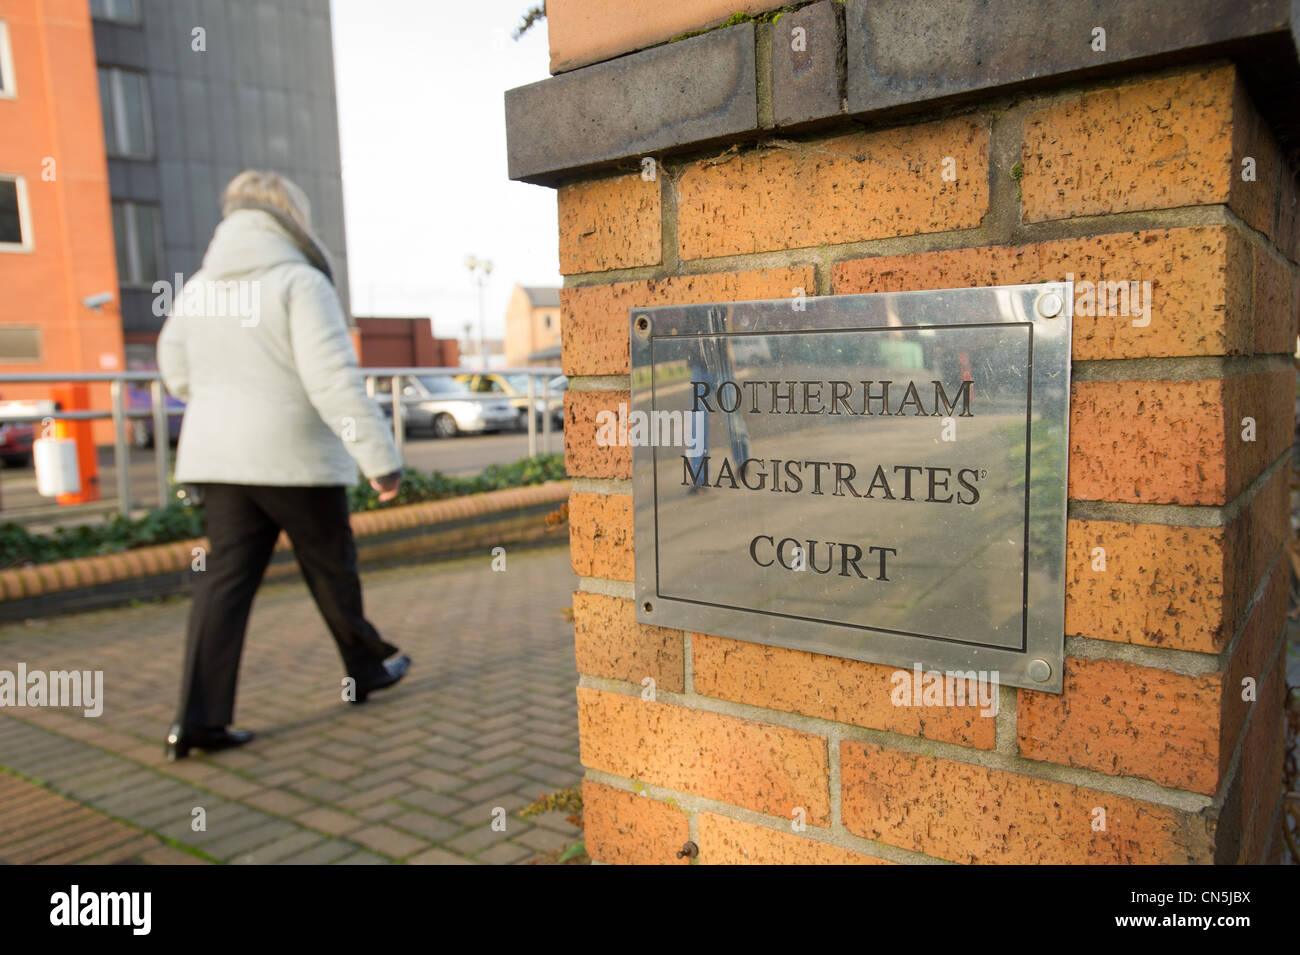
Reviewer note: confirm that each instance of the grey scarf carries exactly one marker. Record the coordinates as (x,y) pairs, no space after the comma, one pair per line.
(305,241)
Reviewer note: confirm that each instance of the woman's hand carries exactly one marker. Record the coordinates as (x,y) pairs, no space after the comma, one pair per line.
(387,486)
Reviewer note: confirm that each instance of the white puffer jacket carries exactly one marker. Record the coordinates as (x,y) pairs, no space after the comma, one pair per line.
(258,347)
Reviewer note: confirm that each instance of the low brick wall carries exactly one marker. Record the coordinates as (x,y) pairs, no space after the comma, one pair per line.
(432,530)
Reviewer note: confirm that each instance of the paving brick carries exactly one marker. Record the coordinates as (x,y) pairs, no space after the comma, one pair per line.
(426,826)
(322,854)
(488,682)
(387,840)
(438,857)
(505,853)
(436,781)
(363,858)
(480,838)
(329,820)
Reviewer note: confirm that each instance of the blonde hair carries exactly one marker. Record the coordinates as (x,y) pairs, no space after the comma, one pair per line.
(271,188)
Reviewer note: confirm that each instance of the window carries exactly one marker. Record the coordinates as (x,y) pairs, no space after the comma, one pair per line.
(121,11)
(137,231)
(124,99)
(15,218)
(8,82)
(20,343)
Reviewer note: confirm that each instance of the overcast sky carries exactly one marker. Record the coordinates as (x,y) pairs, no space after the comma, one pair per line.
(422,135)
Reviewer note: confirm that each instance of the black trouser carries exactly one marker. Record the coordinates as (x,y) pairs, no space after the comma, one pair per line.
(243,522)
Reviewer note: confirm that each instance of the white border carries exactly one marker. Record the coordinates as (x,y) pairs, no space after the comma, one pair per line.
(24,215)
(10,90)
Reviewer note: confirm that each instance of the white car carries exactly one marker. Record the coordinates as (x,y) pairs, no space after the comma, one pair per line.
(445,407)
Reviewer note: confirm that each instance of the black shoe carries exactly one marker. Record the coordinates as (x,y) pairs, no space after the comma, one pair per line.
(391,671)
(180,740)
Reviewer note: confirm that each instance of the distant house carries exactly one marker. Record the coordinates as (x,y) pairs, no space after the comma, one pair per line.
(533,326)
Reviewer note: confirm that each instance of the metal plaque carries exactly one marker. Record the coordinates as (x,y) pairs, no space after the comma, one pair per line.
(877,477)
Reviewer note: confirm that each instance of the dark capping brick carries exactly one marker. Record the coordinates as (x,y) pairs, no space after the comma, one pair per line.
(691,92)
(808,84)
(902,53)
(901,56)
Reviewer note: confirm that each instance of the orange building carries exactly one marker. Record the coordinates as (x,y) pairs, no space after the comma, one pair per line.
(533,327)
(59,308)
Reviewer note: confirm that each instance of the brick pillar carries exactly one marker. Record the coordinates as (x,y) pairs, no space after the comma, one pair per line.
(1171,717)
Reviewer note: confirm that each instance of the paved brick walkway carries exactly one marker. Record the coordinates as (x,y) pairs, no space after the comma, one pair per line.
(486,720)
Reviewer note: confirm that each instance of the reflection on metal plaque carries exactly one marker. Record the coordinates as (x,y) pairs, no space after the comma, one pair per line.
(877,477)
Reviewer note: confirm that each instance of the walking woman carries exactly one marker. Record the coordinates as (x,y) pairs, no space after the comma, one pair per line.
(276,424)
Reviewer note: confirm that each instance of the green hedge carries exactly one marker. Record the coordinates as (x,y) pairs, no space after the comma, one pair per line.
(179,520)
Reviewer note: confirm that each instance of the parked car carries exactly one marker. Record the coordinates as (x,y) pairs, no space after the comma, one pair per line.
(559,385)
(444,406)
(16,444)
(513,386)
(139,431)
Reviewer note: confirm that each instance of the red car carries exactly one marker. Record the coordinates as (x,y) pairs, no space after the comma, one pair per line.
(16,444)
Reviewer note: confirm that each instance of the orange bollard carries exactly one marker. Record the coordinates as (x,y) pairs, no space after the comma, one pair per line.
(77,398)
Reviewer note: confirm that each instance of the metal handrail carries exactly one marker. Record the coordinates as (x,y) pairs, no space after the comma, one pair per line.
(120,414)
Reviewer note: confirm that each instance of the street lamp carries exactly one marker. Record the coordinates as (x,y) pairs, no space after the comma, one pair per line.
(479,270)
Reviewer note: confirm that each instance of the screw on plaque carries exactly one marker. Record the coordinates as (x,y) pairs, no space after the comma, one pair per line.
(643,326)
(1049,305)
(689,851)
(1040,671)
(648,607)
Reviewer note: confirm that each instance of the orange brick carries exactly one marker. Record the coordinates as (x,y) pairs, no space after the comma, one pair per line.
(1262,758)
(1256,201)
(595,326)
(1175,442)
(967,813)
(625,828)
(758,766)
(582,32)
(609,224)
(600,535)
(1161,587)
(868,185)
(847,691)
(1199,284)
(1276,304)
(1288,214)
(583,454)
(1253,656)
(1126,720)
(609,642)
(1155,144)
(725,841)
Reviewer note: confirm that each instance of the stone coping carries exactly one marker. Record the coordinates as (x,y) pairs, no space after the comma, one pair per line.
(62,575)
(875,59)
